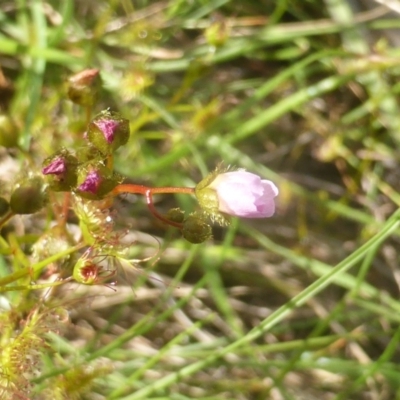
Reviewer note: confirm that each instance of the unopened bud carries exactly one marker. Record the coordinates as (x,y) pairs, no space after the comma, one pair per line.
(176,215)
(8,132)
(83,87)
(29,196)
(95,181)
(196,230)
(108,131)
(60,170)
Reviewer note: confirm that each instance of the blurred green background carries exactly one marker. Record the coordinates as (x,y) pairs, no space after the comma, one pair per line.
(304,93)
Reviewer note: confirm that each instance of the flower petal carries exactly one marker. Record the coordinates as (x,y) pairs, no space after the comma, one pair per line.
(244,194)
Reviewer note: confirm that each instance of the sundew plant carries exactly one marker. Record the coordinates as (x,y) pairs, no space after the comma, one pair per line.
(198,200)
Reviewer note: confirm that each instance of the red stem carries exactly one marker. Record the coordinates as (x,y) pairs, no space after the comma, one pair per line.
(150,205)
(141,189)
(129,188)
(148,193)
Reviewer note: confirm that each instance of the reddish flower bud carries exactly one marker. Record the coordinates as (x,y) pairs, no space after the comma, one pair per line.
(108,131)
(83,87)
(95,181)
(60,171)
(58,166)
(108,127)
(91,183)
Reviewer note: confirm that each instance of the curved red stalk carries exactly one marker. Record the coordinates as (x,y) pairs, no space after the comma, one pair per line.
(148,193)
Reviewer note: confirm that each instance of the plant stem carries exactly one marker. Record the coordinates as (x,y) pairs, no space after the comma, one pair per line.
(36,267)
(141,189)
(148,193)
(6,218)
(151,207)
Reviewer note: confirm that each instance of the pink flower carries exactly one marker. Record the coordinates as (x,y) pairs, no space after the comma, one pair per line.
(243,194)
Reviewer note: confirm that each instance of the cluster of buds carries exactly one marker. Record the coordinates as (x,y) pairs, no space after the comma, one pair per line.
(88,173)
(221,194)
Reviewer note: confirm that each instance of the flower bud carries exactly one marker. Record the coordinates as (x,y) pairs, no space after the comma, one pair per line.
(84,86)
(8,132)
(237,193)
(29,196)
(95,181)
(108,131)
(60,170)
(196,230)
(176,215)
